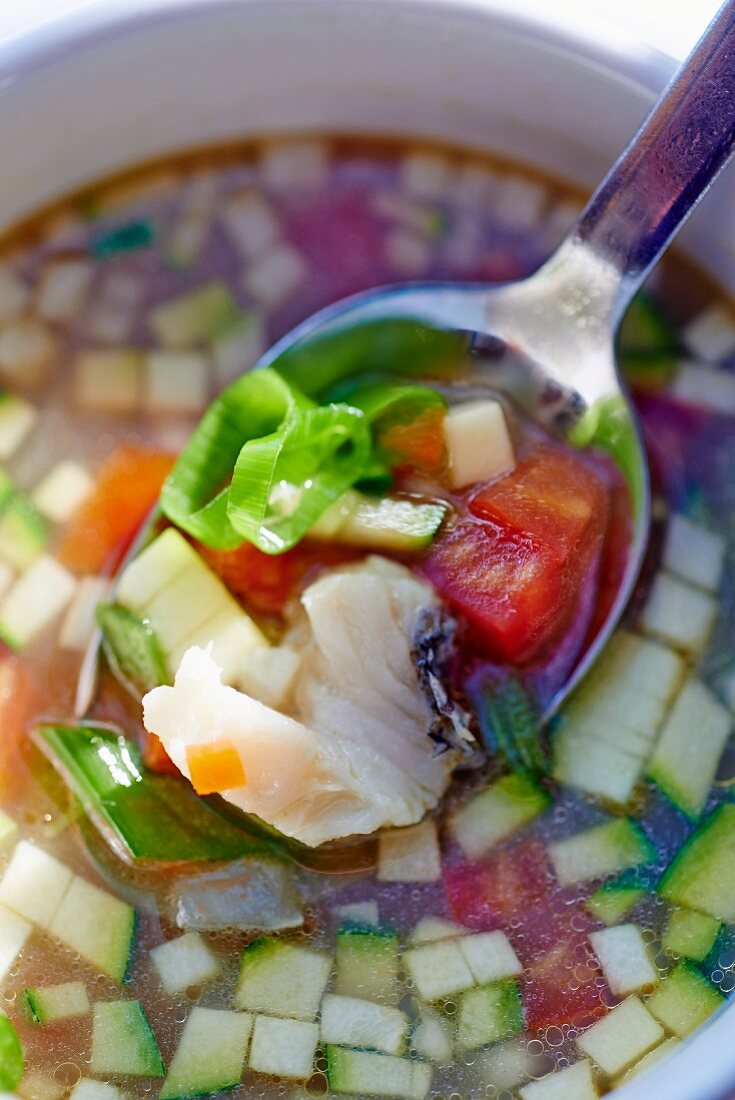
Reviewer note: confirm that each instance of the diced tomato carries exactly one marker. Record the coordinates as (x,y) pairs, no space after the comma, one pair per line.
(155,757)
(517,571)
(18,700)
(419,444)
(563,985)
(266,582)
(487,895)
(127,487)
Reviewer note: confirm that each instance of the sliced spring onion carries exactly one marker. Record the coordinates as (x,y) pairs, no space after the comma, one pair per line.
(132,649)
(385,403)
(143,816)
(11,1056)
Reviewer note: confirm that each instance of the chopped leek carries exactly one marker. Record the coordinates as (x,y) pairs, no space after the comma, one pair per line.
(143,816)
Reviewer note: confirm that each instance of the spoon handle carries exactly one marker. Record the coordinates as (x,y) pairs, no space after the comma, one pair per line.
(676,154)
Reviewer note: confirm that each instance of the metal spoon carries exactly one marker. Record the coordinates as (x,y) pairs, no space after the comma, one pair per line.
(549,340)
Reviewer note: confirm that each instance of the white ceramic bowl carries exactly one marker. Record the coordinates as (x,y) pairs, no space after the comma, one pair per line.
(119,81)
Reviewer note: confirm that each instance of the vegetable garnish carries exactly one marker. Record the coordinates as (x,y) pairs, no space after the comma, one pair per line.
(214,767)
(132,649)
(11,1056)
(266,461)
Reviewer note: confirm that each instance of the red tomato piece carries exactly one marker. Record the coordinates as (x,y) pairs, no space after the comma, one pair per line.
(19,699)
(488,895)
(517,571)
(563,986)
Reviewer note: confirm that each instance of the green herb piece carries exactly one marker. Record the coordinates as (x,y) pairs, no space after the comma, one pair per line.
(510,720)
(132,649)
(11,1056)
(123,238)
(141,815)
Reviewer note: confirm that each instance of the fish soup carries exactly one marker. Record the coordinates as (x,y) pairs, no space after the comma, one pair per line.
(306,837)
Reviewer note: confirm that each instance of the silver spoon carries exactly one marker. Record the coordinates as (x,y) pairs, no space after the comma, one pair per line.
(549,340)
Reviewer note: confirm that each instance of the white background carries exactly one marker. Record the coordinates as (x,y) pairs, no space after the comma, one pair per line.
(671,25)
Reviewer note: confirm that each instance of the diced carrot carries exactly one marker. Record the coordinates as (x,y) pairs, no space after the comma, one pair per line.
(127,487)
(420,443)
(215,767)
(155,757)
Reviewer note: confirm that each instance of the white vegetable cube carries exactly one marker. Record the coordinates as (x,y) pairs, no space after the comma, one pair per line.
(478,443)
(184,962)
(268,673)
(705,387)
(622,1037)
(430,929)
(210,1055)
(157,565)
(576,1082)
(17,418)
(27,351)
(508,1064)
(283,978)
(497,812)
(285,1048)
(351,1021)
(519,202)
(275,275)
(252,223)
(694,553)
(109,381)
(14,294)
(359,912)
(490,956)
(14,931)
(600,851)
(176,382)
(488,1014)
(58,495)
(34,884)
(410,855)
(79,623)
(238,348)
(63,288)
(37,1085)
(711,334)
(57,1002)
(680,614)
(194,316)
(294,165)
(432,1037)
(88,1089)
(408,252)
(624,958)
(35,600)
(426,175)
(97,925)
(438,969)
(232,635)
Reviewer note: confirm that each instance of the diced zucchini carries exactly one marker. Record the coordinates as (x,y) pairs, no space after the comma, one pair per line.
(268,674)
(622,1037)
(679,614)
(238,347)
(704,387)
(28,349)
(58,495)
(158,564)
(387,523)
(56,1002)
(612,901)
(367,963)
(8,827)
(251,222)
(122,1041)
(429,929)
(684,1000)
(596,767)
(711,334)
(694,553)
(690,934)
(210,1055)
(353,1022)
(489,956)
(624,958)
(232,635)
(176,382)
(507,1065)
(432,1037)
(78,623)
(410,855)
(357,1072)
(359,912)
(63,288)
(478,444)
(194,316)
(11,1056)
(17,418)
(702,875)
(87,1089)
(184,962)
(600,851)
(34,601)
(649,1060)
(685,760)
(507,805)
(97,925)
(275,275)
(109,381)
(132,649)
(576,1082)
(283,1047)
(279,978)
(37,1085)
(23,532)
(34,884)
(438,969)
(14,293)
(14,931)
(489,1014)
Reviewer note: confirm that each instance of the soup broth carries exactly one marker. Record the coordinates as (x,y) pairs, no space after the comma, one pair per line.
(566,907)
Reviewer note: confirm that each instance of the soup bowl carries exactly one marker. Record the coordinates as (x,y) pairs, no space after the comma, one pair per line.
(113,83)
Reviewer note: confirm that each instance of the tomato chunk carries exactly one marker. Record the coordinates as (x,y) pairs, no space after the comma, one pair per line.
(563,986)
(127,487)
(487,895)
(516,569)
